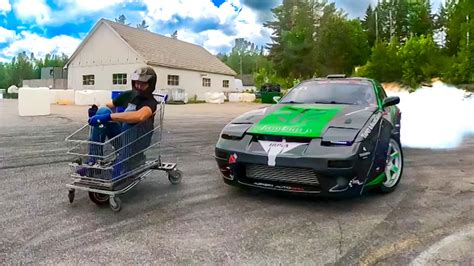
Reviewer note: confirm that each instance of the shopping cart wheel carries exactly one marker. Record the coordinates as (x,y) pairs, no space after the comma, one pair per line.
(98,198)
(115,204)
(175,176)
(71,195)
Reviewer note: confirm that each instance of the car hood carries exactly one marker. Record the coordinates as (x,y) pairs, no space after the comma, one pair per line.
(301,120)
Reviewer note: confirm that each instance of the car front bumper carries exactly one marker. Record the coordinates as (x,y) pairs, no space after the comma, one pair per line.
(339,176)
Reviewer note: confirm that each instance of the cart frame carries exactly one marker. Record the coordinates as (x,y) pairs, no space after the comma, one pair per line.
(110,175)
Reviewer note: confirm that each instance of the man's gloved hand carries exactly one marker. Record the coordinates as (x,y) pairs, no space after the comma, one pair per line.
(99,119)
(92,110)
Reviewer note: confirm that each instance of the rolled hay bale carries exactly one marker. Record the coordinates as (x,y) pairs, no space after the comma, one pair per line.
(34,101)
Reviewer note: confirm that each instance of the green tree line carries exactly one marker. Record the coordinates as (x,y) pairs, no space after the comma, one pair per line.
(25,66)
(397,40)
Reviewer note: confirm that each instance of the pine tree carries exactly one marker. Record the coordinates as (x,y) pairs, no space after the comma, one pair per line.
(292,49)
(142,25)
(122,20)
(368,23)
(174,35)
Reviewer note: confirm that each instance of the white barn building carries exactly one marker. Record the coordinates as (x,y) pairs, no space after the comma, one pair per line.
(111,52)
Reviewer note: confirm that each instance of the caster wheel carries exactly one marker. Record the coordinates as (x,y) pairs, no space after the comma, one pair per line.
(115,204)
(71,195)
(175,176)
(98,198)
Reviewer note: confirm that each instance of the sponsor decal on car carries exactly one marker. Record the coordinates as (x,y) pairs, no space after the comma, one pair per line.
(371,125)
(273,149)
(288,188)
(296,121)
(355,181)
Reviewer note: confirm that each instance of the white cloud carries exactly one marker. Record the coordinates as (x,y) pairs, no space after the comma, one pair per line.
(249,28)
(5,6)
(6,35)
(166,10)
(220,25)
(66,11)
(40,46)
(91,5)
(213,40)
(231,15)
(33,9)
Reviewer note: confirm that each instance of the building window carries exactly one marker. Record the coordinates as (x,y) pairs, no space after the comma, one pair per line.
(206,82)
(119,79)
(88,80)
(225,83)
(173,80)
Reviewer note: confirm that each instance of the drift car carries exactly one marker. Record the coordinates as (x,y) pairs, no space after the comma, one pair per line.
(332,136)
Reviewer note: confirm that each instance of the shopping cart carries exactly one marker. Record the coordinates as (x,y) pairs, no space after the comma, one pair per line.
(107,169)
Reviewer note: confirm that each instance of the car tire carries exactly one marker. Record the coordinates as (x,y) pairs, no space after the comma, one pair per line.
(394,166)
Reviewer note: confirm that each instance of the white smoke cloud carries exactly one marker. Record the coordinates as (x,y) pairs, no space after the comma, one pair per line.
(437,117)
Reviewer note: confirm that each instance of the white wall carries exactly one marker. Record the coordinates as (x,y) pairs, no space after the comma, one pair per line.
(191,81)
(103,55)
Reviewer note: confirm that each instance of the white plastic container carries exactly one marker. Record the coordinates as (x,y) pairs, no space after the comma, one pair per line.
(64,97)
(34,101)
(85,97)
(248,97)
(215,97)
(90,97)
(235,97)
(102,97)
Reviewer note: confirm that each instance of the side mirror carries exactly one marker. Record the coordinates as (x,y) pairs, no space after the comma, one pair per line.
(390,101)
(276,99)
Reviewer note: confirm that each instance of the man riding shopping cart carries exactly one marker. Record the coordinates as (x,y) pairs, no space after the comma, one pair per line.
(111,150)
(140,106)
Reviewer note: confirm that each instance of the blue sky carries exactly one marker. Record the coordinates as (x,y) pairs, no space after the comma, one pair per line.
(45,26)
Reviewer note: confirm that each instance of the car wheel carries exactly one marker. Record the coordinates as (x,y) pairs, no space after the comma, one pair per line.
(393,167)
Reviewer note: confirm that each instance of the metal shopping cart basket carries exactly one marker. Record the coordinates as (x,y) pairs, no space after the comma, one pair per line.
(107,169)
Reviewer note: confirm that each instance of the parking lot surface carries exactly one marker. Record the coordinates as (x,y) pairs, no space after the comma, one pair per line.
(429,219)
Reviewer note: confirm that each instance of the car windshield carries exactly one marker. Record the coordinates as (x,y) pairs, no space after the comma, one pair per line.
(332,92)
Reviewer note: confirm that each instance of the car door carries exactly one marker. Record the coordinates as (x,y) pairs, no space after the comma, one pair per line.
(387,126)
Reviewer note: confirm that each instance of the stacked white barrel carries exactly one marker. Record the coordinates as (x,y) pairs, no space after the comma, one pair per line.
(34,101)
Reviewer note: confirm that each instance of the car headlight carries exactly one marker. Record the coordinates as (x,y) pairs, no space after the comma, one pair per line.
(339,136)
(235,131)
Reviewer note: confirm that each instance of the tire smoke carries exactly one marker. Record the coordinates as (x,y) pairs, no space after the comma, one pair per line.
(436,117)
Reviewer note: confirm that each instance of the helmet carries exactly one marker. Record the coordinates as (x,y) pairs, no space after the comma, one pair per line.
(145,74)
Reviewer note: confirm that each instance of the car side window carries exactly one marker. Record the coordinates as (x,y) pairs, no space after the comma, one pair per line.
(383,94)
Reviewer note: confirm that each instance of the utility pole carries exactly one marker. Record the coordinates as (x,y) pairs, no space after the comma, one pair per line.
(468,29)
(241,73)
(391,26)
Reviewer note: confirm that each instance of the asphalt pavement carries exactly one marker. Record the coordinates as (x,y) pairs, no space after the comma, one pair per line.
(428,220)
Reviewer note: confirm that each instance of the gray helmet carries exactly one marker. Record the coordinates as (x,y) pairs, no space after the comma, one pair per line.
(145,74)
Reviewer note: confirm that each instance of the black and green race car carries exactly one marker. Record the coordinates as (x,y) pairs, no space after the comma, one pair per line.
(331,136)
